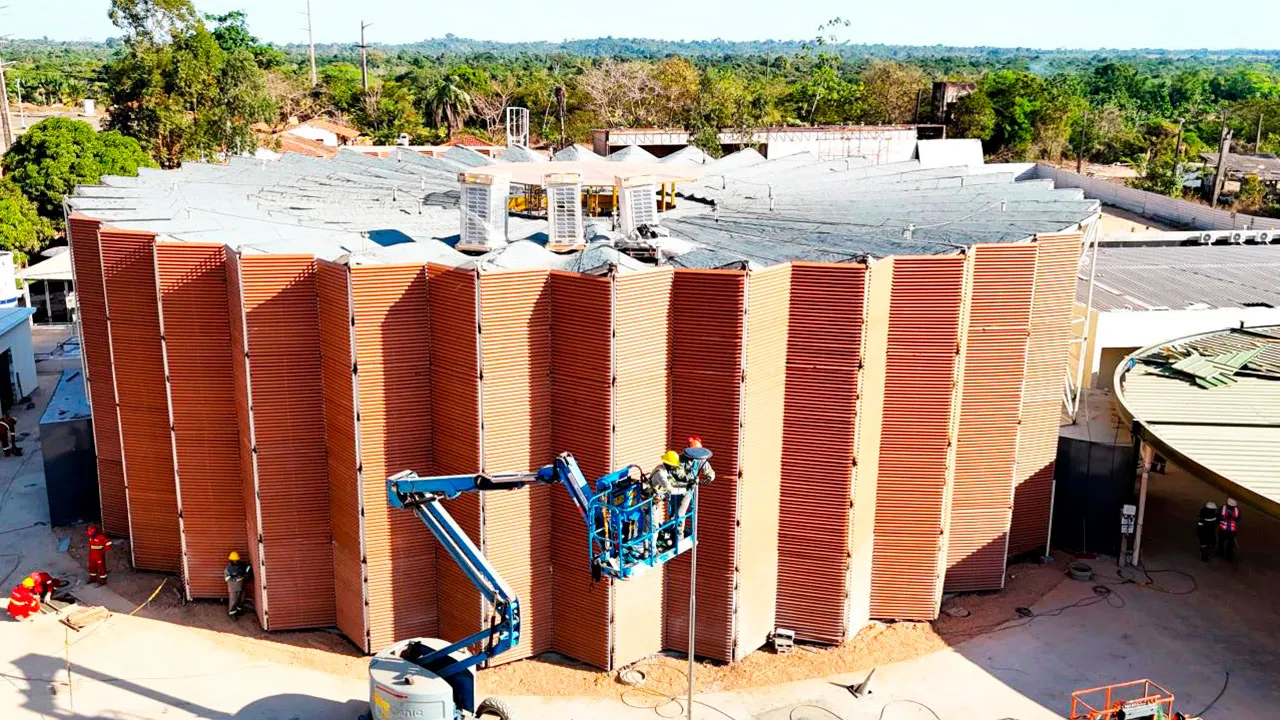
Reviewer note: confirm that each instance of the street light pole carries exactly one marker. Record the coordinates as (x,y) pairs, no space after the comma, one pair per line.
(693,597)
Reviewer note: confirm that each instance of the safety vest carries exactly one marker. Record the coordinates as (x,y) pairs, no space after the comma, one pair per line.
(99,543)
(21,599)
(1228,518)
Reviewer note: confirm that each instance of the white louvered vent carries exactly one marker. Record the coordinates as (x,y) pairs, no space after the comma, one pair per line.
(483,205)
(564,208)
(637,203)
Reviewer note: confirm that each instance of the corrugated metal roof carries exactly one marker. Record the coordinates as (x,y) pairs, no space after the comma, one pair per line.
(1141,278)
(1228,435)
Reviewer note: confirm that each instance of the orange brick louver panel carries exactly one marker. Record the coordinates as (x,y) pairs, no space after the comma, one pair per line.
(198,359)
(129,266)
(515,352)
(333,307)
(392,332)
(763,400)
(455,430)
(1047,352)
(824,354)
(642,322)
(1002,279)
(91,296)
(581,384)
(706,395)
(924,322)
(282,332)
(244,427)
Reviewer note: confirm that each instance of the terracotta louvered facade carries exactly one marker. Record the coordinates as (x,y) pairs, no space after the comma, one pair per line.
(286,415)
(515,371)
(824,356)
(91,297)
(1002,278)
(196,343)
(912,490)
(128,263)
(1047,350)
(913,400)
(706,400)
(581,422)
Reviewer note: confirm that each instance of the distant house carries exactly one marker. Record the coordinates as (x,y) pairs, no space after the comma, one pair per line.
(327,132)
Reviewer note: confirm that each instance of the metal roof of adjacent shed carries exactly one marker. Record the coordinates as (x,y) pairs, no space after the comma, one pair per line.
(1142,278)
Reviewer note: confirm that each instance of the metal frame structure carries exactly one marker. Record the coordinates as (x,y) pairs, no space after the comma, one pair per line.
(517,127)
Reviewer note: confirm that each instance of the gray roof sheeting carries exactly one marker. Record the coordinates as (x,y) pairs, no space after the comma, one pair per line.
(1220,276)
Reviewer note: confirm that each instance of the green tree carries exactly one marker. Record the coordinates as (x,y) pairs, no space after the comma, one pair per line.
(55,155)
(180,93)
(449,104)
(22,229)
(342,84)
(386,112)
(973,116)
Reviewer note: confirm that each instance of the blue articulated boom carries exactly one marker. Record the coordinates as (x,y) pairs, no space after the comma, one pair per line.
(624,535)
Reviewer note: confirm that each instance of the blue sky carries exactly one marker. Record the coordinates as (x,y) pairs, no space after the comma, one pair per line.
(1006,23)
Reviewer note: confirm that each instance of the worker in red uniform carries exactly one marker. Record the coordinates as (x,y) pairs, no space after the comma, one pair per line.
(44,585)
(22,602)
(1228,520)
(98,546)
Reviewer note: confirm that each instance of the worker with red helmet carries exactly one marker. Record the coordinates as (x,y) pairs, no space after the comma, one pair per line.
(43,585)
(99,544)
(22,601)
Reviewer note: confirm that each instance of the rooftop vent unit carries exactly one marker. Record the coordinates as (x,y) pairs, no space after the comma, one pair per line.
(564,211)
(483,204)
(637,205)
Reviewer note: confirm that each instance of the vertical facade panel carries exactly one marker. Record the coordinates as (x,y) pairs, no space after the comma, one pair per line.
(515,362)
(1047,352)
(287,413)
(912,486)
(392,334)
(455,430)
(346,516)
(581,384)
(91,295)
(128,261)
(1003,277)
(641,413)
(824,354)
(244,427)
(196,333)
(763,409)
(706,400)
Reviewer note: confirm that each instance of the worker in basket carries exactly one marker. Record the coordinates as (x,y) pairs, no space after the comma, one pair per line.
(677,476)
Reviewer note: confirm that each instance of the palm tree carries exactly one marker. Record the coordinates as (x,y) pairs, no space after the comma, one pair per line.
(450,104)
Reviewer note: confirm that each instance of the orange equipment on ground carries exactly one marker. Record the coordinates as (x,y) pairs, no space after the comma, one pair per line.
(1130,701)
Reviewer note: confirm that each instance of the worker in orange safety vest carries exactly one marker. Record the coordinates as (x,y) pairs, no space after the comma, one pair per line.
(22,602)
(44,585)
(1228,520)
(98,546)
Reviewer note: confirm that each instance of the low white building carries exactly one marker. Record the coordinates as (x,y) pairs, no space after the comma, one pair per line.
(17,356)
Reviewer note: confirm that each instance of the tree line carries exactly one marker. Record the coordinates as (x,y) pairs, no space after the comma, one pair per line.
(177,85)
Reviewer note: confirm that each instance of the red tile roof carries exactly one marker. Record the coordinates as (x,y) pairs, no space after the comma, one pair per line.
(333,127)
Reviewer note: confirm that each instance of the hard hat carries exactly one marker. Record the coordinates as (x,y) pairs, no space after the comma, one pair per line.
(695,441)
(1211,505)
(670,458)
(91,530)
(234,556)
(1231,502)
(28,583)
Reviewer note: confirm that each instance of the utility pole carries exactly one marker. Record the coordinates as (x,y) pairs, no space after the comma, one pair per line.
(1084,140)
(560,111)
(6,120)
(1257,146)
(1224,149)
(364,57)
(22,113)
(311,42)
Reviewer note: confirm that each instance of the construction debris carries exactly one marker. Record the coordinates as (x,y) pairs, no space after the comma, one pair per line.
(85,617)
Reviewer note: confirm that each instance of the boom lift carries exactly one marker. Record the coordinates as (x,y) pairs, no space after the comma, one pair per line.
(433,679)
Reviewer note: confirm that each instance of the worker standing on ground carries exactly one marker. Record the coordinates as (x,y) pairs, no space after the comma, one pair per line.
(99,544)
(238,571)
(1207,529)
(22,601)
(1228,520)
(9,436)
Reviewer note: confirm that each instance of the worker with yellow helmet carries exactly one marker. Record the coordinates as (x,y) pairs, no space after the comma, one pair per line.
(23,604)
(675,478)
(237,573)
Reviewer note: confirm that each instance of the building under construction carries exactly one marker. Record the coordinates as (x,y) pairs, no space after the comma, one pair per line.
(875,353)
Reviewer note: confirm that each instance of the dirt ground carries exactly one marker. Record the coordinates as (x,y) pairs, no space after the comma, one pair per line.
(556,676)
